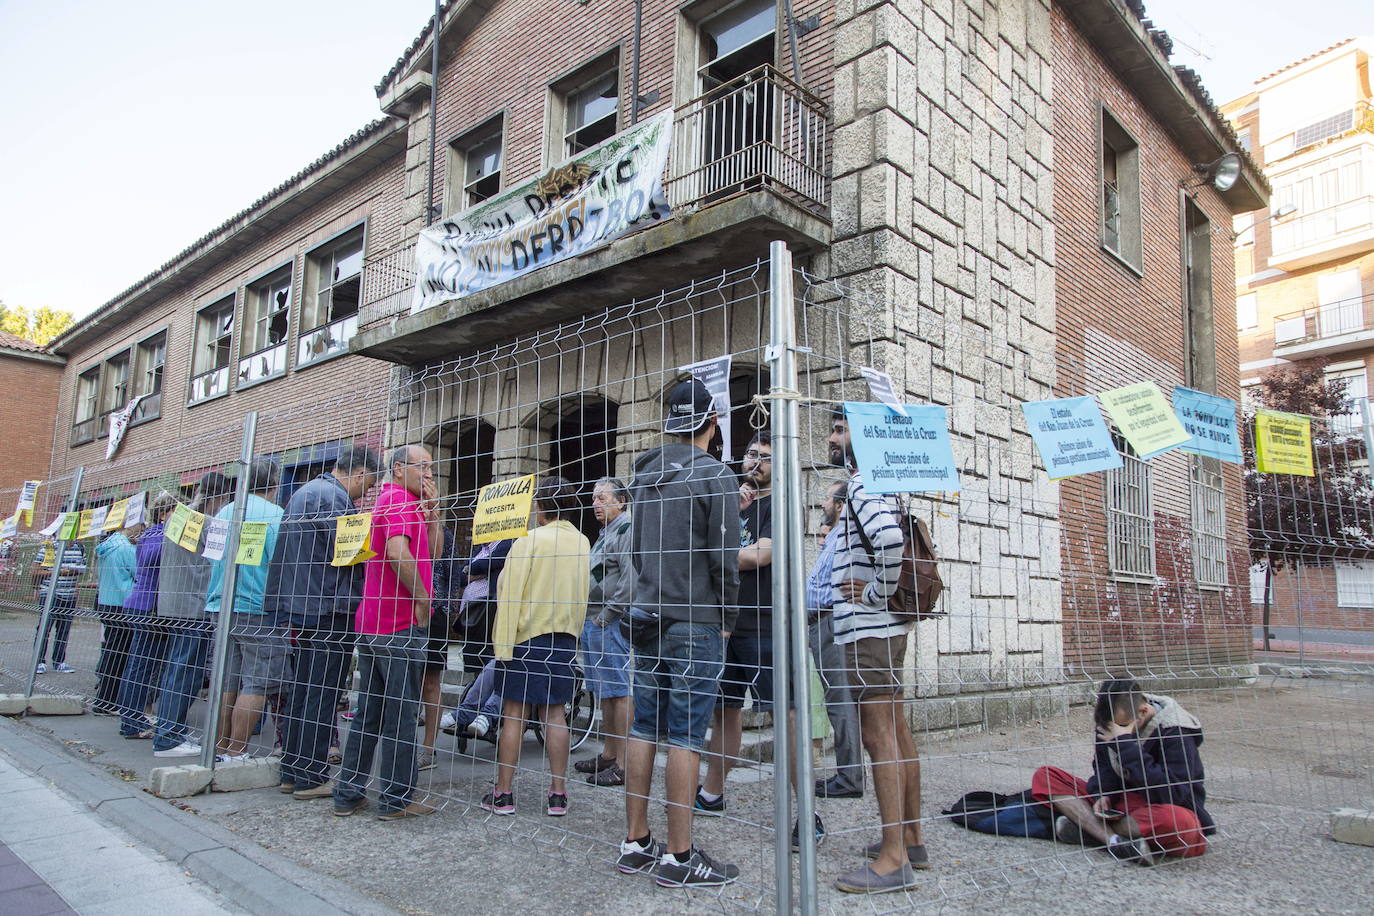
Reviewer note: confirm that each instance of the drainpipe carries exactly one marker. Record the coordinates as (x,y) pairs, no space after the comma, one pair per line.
(432,212)
(792,40)
(634,66)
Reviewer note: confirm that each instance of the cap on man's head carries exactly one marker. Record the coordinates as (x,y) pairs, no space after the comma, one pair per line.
(689,407)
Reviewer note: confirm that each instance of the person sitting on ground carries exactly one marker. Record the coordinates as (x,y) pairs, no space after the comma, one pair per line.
(1146,795)
(479,708)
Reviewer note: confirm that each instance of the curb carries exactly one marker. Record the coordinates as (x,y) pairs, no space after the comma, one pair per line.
(247,875)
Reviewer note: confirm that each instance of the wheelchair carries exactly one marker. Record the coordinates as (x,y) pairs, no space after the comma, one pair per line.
(580,712)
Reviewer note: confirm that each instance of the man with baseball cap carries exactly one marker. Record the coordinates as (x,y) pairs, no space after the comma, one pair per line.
(684,547)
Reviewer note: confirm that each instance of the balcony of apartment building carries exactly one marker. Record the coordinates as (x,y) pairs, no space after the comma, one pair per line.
(748,163)
(1340,324)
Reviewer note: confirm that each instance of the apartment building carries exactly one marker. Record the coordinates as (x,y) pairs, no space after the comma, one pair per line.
(1305,281)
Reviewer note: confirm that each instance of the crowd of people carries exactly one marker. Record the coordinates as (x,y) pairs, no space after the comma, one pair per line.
(669,613)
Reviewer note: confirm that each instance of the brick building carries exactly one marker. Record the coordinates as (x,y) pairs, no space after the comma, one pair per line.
(26,367)
(941,166)
(1305,282)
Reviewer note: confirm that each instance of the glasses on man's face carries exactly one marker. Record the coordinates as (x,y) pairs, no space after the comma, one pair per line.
(424,466)
(755,455)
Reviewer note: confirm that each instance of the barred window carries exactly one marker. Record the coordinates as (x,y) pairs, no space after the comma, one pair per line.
(1209,523)
(1130,517)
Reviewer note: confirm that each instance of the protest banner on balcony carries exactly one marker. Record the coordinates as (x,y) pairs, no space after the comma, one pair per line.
(586,202)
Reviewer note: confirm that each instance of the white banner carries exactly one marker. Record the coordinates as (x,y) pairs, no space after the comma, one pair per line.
(9,527)
(715,375)
(28,494)
(119,422)
(590,200)
(134,514)
(216,537)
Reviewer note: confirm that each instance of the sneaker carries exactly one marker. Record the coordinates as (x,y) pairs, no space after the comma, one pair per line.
(184,749)
(1067,832)
(796,833)
(1127,850)
(426,761)
(713,808)
(864,880)
(700,870)
(611,776)
(479,727)
(286,787)
(635,858)
(503,803)
(447,724)
(594,764)
(414,809)
(558,804)
(915,855)
(345,808)
(41,669)
(323,790)
(64,668)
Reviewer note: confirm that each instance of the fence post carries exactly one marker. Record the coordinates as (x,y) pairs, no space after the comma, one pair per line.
(791,655)
(46,614)
(215,700)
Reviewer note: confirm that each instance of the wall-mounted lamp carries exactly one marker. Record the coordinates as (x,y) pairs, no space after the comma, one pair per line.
(1283,212)
(1222,173)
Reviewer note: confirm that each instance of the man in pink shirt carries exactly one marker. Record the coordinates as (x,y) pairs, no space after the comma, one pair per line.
(392,625)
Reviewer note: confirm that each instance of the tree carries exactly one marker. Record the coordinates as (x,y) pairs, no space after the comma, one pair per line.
(40,325)
(1308,520)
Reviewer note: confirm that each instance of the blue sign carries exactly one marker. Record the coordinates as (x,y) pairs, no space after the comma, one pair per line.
(1211,421)
(902,454)
(1072,436)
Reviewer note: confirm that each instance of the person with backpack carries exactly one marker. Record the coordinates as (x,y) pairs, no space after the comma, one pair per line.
(866,573)
(1146,795)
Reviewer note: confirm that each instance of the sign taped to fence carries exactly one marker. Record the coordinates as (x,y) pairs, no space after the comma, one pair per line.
(216,538)
(49,558)
(133,515)
(9,527)
(715,375)
(1144,418)
(1283,443)
(1072,436)
(28,496)
(114,519)
(190,534)
(71,522)
(176,523)
(588,201)
(350,539)
(880,383)
(98,516)
(1211,422)
(252,544)
(503,510)
(902,453)
(83,526)
(54,526)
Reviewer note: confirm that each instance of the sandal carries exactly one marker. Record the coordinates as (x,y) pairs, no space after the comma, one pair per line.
(139,736)
(335,757)
(594,764)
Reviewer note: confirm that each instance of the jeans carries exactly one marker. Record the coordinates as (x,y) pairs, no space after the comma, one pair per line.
(323,652)
(479,699)
(61,620)
(677,679)
(389,672)
(840,707)
(605,659)
(115,640)
(145,660)
(182,675)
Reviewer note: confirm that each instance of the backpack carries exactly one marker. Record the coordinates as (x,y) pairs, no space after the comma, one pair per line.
(918,583)
(1003,815)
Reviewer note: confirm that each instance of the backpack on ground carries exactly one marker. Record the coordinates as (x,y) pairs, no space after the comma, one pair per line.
(919,583)
(1003,815)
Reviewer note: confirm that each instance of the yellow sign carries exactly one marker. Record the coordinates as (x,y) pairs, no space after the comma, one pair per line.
(70,523)
(28,496)
(83,525)
(252,544)
(350,539)
(49,556)
(1283,443)
(1145,418)
(176,523)
(503,510)
(114,520)
(190,534)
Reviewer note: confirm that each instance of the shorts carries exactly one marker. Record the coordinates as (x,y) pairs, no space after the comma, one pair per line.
(677,685)
(541,672)
(258,662)
(876,665)
(748,669)
(436,643)
(605,660)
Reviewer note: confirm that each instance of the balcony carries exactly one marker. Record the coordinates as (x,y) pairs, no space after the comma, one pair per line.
(748,163)
(326,341)
(1325,330)
(1323,235)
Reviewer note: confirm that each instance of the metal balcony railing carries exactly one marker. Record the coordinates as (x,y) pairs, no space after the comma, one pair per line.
(1322,227)
(1322,321)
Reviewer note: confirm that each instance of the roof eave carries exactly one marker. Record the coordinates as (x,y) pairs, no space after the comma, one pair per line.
(33,355)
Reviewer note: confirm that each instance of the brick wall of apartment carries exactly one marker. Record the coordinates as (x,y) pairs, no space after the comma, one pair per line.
(1115,327)
(30,389)
(1306,596)
(317,403)
(1292,293)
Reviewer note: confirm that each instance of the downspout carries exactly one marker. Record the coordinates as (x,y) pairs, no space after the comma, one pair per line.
(634,66)
(432,212)
(792,40)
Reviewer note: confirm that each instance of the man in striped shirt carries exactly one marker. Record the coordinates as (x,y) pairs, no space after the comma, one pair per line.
(865,574)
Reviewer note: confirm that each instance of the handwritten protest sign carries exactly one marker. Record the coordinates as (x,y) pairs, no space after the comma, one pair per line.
(176,523)
(503,510)
(1144,418)
(1210,421)
(1072,436)
(1283,443)
(902,452)
(190,534)
(216,538)
(350,539)
(114,520)
(252,544)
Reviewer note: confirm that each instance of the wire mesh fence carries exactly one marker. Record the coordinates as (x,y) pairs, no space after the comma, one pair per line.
(211,600)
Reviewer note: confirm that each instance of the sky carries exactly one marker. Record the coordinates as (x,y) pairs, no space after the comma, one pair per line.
(133,128)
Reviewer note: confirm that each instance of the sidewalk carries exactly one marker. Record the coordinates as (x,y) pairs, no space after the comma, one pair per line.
(57,857)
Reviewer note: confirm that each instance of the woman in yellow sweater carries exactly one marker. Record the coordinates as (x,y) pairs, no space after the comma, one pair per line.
(541,605)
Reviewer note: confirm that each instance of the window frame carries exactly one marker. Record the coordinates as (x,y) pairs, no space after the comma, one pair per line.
(310,292)
(108,405)
(560,96)
(458,191)
(200,343)
(256,293)
(143,413)
(1207,499)
(90,374)
(1123,519)
(1111,134)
